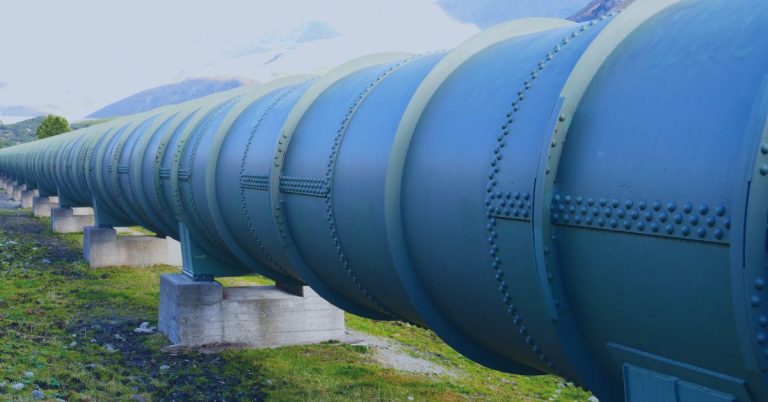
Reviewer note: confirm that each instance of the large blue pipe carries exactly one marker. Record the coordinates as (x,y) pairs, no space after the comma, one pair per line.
(588,200)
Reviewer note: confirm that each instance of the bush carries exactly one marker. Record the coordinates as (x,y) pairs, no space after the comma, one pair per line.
(53,125)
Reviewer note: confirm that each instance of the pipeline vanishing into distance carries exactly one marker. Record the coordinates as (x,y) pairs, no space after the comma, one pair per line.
(587,200)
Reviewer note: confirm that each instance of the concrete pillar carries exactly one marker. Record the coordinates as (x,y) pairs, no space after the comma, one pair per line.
(17,189)
(102,247)
(27,196)
(204,313)
(41,206)
(71,220)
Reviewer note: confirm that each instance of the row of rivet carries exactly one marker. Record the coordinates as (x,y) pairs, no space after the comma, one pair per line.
(329,179)
(494,194)
(118,190)
(186,174)
(509,205)
(755,300)
(252,182)
(315,187)
(656,218)
(243,202)
(181,145)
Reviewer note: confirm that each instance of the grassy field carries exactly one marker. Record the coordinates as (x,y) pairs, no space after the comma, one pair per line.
(66,332)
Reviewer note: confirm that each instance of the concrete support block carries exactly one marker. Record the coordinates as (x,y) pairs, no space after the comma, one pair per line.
(41,206)
(102,247)
(206,313)
(71,220)
(27,196)
(17,189)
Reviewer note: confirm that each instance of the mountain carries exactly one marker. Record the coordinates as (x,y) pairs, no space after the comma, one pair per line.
(168,95)
(17,133)
(486,13)
(596,8)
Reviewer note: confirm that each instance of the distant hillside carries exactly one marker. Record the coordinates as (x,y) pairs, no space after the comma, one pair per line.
(596,8)
(168,95)
(17,133)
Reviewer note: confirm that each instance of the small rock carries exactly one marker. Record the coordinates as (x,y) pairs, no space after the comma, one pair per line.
(17,387)
(410,398)
(90,366)
(73,344)
(59,400)
(593,399)
(144,328)
(139,398)
(119,337)
(110,348)
(38,395)
(2,385)
(46,261)
(28,374)
(165,367)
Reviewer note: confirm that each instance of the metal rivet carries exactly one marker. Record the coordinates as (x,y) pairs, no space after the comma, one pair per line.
(720,210)
(759,283)
(763,169)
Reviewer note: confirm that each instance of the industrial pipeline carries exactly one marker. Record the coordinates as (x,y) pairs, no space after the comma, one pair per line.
(587,200)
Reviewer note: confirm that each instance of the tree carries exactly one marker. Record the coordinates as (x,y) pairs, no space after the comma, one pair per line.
(52,125)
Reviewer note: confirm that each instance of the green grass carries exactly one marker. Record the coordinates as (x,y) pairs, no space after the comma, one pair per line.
(45,307)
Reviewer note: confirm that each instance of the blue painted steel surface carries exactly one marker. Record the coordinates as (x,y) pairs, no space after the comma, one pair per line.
(588,200)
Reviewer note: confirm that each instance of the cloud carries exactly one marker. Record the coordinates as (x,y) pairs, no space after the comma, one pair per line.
(20,111)
(105,51)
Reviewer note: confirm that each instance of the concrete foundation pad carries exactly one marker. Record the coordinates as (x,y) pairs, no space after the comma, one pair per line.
(102,247)
(206,313)
(41,206)
(71,220)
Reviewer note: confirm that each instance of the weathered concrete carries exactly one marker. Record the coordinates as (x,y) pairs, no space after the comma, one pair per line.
(205,313)
(102,247)
(27,197)
(41,206)
(71,220)
(17,189)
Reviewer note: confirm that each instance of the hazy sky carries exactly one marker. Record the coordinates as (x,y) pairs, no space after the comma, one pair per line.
(76,56)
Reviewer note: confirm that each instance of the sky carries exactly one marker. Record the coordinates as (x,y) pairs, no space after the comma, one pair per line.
(73,57)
